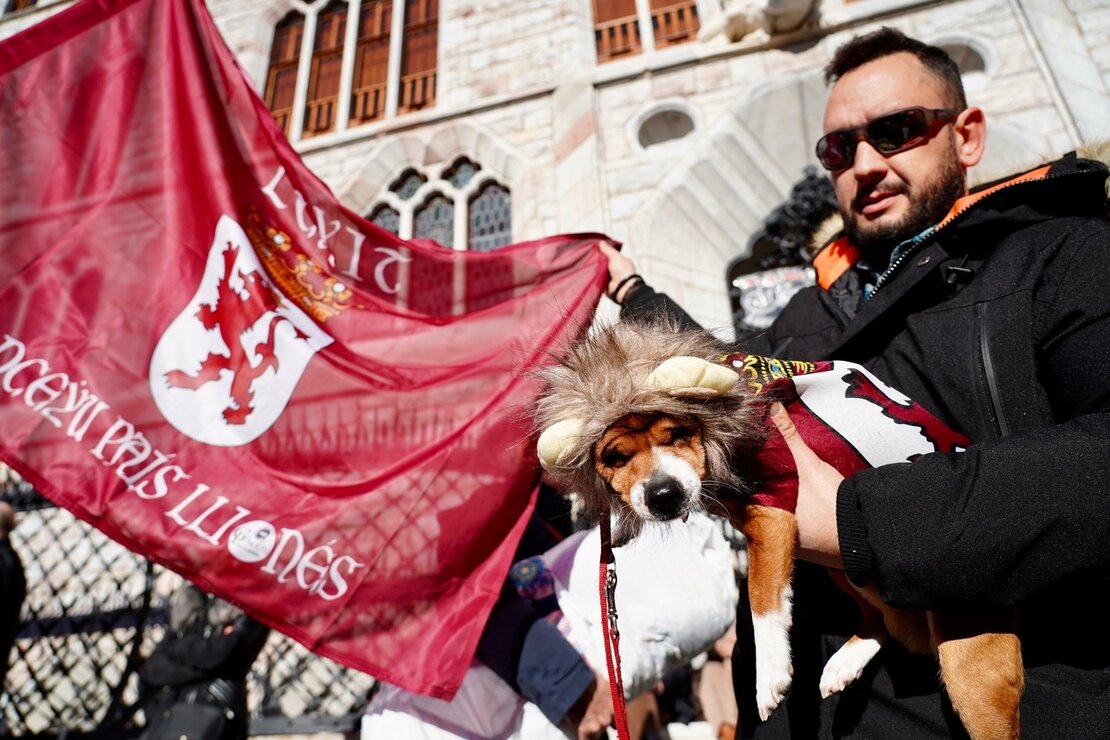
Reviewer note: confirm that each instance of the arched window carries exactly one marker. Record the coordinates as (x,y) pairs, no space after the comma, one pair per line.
(778,264)
(461,172)
(333,97)
(462,207)
(281,81)
(435,220)
(407,184)
(490,218)
(387,218)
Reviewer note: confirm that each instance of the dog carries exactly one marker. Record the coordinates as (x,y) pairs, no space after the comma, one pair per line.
(652,422)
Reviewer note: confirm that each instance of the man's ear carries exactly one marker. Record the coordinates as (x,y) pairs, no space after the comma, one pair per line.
(971,136)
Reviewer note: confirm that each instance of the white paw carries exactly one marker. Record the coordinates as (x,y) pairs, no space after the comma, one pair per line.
(847,664)
(773,669)
(771,688)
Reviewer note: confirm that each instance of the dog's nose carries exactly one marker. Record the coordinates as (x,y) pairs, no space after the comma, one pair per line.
(664,497)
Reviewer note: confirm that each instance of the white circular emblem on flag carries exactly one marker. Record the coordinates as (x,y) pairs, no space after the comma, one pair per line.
(252,541)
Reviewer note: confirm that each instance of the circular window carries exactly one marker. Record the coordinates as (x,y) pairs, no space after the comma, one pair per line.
(669,124)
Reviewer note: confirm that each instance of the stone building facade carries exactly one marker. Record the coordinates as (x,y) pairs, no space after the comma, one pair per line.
(679,147)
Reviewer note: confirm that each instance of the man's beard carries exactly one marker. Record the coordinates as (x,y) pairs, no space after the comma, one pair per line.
(926,209)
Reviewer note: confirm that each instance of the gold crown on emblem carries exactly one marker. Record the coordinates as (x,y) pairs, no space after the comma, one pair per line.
(301,280)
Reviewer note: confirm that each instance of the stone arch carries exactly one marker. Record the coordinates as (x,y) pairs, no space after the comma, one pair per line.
(274,12)
(705,213)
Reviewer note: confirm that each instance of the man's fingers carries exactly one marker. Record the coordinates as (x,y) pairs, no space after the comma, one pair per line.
(788,431)
(619,265)
(817,486)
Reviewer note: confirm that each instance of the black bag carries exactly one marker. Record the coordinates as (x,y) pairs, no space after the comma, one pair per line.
(189,721)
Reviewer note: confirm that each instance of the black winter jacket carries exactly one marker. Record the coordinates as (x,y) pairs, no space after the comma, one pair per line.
(999,323)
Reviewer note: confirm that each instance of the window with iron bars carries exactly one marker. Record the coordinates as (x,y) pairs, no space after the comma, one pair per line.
(339,64)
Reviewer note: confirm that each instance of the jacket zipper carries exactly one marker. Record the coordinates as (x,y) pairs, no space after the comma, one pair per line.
(986,367)
(894,266)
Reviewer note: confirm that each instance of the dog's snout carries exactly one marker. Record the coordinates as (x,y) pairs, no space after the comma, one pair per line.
(664,497)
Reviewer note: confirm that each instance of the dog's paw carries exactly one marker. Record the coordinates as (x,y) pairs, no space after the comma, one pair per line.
(847,664)
(771,691)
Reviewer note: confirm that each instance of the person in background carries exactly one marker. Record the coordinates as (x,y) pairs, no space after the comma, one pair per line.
(530,654)
(194,682)
(988,307)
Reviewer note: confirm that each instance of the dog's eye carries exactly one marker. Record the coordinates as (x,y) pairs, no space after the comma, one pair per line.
(680,434)
(614,458)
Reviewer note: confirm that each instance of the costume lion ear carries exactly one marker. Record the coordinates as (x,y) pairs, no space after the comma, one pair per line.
(555,443)
(692,376)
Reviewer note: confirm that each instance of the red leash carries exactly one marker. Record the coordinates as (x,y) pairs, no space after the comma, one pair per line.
(607,593)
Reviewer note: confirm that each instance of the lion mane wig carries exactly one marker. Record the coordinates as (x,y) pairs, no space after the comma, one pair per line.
(605,377)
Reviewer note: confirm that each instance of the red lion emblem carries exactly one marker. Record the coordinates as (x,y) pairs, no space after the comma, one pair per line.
(933,429)
(232,315)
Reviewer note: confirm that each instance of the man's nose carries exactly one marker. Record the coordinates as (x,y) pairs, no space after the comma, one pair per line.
(868,161)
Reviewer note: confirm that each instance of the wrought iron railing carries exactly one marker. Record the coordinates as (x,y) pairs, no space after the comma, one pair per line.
(94,612)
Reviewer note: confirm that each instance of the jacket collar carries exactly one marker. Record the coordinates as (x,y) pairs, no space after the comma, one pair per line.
(839,255)
(984,207)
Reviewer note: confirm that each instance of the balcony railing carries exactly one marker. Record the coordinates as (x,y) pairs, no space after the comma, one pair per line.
(367,103)
(617,38)
(282,117)
(319,115)
(417,91)
(675,24)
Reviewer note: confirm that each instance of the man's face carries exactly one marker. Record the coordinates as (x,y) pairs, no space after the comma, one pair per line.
(886,199)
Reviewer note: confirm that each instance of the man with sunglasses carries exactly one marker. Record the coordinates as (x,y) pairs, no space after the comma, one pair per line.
(992,309)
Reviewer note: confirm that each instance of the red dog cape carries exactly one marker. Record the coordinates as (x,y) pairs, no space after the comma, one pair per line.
(847,416)
(206,356)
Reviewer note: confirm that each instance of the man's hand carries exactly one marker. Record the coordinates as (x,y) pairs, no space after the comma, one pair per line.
(620,268)
(592,713)
(817,485)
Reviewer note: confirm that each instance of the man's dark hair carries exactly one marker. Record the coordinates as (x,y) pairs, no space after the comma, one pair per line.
(886,41)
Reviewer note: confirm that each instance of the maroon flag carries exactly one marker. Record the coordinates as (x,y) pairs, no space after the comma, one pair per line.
(206,356)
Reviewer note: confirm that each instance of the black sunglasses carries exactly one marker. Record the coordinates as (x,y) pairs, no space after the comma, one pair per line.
(891,133)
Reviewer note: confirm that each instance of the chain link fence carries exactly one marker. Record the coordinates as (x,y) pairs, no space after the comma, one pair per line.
(94,611)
